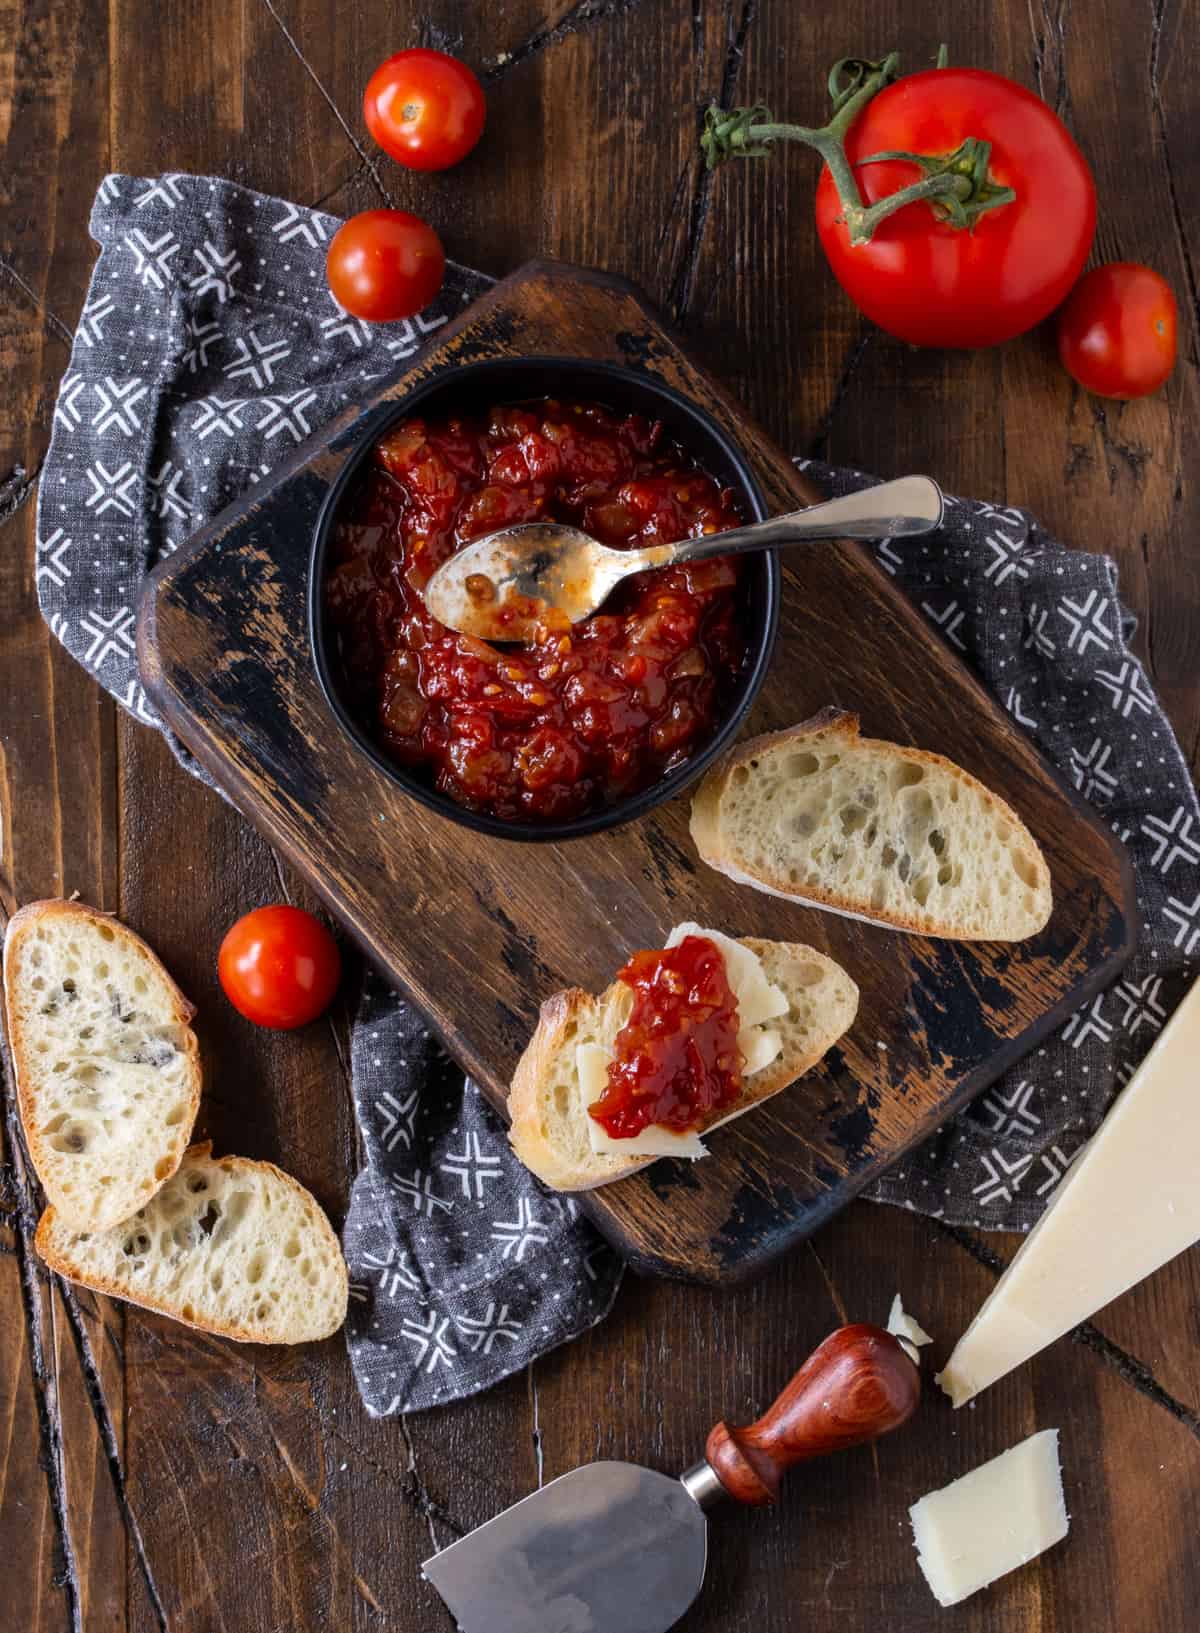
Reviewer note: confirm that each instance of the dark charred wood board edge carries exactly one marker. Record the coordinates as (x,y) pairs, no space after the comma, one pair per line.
(323,454)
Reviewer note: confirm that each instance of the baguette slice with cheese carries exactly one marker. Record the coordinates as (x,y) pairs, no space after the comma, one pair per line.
(548,1109)
(107,1068)
(232,1247)
(892,835)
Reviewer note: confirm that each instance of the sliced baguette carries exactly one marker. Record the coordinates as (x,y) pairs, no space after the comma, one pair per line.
(549,1128)
(893,835)
(232,1247)
(107,1067)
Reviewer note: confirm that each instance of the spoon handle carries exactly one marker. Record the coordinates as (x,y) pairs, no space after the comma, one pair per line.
(894,510)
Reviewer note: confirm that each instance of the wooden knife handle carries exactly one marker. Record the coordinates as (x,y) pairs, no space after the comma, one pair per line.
(856,1386)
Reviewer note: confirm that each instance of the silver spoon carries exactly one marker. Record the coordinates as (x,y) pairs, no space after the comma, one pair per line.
(502,586)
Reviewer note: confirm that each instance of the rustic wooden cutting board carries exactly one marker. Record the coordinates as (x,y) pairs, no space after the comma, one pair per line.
(479,930)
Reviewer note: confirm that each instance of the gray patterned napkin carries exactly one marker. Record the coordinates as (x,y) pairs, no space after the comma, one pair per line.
(208,345)
(463,1268)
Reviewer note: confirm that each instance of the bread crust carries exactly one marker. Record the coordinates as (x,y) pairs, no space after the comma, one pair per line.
(830,725)
(112,1289)
(556,1015)
(184,1012)
(784,1070)
(573,1007)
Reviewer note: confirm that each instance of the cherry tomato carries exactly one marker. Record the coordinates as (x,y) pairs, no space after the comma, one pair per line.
(279,967)
(937,285)
(425,109)
(384,265)
(1116,333)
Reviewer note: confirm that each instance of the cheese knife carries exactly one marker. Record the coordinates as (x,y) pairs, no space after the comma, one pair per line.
(615,1548)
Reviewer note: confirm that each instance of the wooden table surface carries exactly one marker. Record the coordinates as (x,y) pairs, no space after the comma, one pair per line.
(153,1478)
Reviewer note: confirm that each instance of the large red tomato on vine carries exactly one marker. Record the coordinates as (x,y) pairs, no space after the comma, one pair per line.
(937,284)
(954,207)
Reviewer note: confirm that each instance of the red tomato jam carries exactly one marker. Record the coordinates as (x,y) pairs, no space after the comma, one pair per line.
(588,714)
(676,1060)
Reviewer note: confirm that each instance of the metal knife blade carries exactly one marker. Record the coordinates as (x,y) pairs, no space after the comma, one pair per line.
(608,1548)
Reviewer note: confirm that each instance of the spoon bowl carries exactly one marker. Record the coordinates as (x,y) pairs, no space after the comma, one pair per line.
(505,585)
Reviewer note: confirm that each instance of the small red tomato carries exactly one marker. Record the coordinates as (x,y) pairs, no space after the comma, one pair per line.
(279,967)
(425,109)
(1116,330)
(385,265)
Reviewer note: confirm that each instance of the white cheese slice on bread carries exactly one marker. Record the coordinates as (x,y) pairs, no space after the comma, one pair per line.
(655,1141)
(758,1000)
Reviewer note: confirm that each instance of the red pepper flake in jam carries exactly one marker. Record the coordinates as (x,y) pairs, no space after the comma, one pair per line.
(589,713)
(676,1060)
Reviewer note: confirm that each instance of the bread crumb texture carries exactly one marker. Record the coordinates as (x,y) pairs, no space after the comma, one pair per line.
(560,1151)
(231,1246)
(880,831)
(107,1067)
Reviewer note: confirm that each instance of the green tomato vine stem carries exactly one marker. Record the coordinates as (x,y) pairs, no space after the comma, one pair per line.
(956,184)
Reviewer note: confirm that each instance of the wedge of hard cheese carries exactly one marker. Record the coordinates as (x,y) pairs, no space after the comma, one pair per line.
(1001,1515)
(1130,1202)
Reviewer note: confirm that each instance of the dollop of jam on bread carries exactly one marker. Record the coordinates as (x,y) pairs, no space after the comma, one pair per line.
(676,1060)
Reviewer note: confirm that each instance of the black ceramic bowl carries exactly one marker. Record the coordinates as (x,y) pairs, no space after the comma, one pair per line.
(479,385)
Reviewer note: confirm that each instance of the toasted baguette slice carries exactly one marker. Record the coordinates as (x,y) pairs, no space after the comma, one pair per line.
(892,835)
(549,1124)
(232,1247)
(107,1067)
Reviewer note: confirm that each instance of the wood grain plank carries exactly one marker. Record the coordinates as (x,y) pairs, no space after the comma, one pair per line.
(1124,1456)
(343,1508)
(837,1552)
(227,1447)
(36,1595)
(59,837)
(240,1466)
(238,1452)
(90,1384)
(544,179)
(215,91)
(1117,477)
(1158,1324)
(65,1524)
